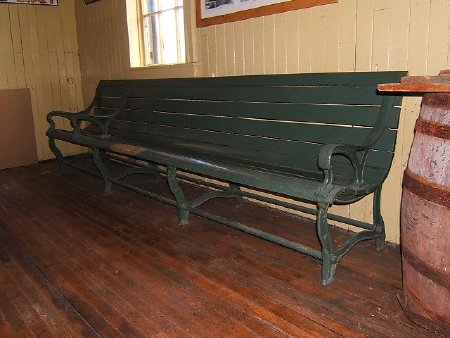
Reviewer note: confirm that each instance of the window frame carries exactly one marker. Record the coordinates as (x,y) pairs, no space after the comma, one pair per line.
(140,17)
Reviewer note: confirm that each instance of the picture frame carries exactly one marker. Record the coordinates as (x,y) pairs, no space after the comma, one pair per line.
(214,12)
(31,2)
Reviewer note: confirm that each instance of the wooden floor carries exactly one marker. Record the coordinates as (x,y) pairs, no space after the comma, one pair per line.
(75,261)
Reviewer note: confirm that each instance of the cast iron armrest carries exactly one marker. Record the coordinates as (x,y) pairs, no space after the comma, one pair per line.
(347,150)
(66,115)
(102,121)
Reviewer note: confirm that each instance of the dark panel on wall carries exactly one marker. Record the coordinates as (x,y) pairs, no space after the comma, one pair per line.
(17,138)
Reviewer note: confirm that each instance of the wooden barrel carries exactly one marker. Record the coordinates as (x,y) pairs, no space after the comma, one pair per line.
(425,219)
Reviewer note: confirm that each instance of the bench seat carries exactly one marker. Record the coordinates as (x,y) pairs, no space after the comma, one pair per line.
(321,138)
(217,161)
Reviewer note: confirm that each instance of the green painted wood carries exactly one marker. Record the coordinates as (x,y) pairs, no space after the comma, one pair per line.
(306,132)
(334,114)
(306,79)
(140,132)
(271,121)
(329,95)
(298,164)
(296,186)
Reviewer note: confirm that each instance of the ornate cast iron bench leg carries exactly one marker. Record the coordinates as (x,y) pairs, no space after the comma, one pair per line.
(378,221)
(102,169)
(183,212)
(55,150)
(329,261)
(236,190)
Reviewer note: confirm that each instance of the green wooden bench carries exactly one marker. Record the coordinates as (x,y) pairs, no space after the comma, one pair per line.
(323,138)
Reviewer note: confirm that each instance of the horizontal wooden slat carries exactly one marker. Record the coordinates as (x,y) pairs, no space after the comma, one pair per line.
(249,142)
(110,102)
(315,79)
(276,121)
(339,114)
(314,133)
(328,95)
(112,91)
(359,115)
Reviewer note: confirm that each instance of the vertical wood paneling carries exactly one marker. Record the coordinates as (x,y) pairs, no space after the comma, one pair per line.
(258,45)
(221,51)
(347,35)
(39,50)
(281,33)
(419,36)
(364,35)
(8,51)
(212,50)
(318,38)
(20,70)
(204,44)
(15,29)
(269,44)
(229,58)
(305,40)
(249,52)
(332,37)
(237,29)
(292,42)
(438,35)
(381,33)
(399,37)
(352,35)
(3,76)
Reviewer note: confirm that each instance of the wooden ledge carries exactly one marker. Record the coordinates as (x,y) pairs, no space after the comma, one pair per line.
(420,84)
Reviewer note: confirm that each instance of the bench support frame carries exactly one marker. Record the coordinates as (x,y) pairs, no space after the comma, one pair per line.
(55,150)
(328,254)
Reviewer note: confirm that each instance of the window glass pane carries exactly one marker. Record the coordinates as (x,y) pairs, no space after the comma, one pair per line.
(152,45)
(152,6)
(181,38)
(169,37)
(167,4)
(163,32)
(149,6)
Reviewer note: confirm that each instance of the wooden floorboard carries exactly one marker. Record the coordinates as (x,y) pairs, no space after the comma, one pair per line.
(78,262)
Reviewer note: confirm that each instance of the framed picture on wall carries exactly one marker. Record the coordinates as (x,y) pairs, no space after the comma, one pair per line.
(213,12)
(31,2)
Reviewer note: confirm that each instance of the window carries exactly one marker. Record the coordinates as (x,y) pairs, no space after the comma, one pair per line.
(156,32)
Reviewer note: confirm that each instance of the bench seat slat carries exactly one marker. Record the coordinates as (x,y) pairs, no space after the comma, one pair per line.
(309,151)
(282,180)
(296,164)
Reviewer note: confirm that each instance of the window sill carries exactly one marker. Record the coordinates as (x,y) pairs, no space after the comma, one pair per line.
(163,71)
(163,66)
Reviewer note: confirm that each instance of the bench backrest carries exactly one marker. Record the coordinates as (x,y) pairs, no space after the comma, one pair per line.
(280,116)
